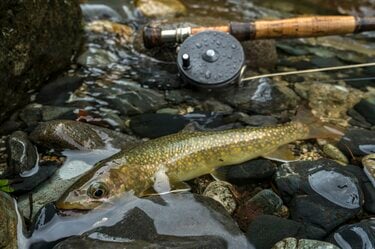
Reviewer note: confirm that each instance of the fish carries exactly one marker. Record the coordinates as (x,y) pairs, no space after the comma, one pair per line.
(184,156)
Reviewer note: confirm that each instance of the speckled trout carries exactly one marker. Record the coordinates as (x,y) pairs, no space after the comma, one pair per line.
(181,156)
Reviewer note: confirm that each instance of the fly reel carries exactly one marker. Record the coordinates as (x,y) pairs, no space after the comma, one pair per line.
(210,59)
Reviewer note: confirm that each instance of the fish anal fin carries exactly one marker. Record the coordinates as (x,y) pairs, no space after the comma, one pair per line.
(281,154)
(175,188)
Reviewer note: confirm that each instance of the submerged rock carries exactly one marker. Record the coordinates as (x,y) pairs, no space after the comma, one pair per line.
(293,243)
(8,224)
(99,12)
(262,96)
(29,29)
(359,235)
(319,192)
(266,230)
(264,202)
(368,163)
(22,155)
(167,221)
(67,134)
(260,53)
(357,142)
(366,107)
(160,8)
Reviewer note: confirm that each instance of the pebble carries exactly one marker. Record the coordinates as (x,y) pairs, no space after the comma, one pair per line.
(221,192)
(293,243)
(180,220)
(68,134)
(321,193)
(366,107)
(8,224)
(353,236)
(266,230)
(357,142)
(264,202)
(22,154)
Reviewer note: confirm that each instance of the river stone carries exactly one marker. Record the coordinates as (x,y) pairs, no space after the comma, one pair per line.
(28,30)
(293,243)
(357,142)
(165,221)
(262,96)
(93,12)
(359,235)
(221,192)
(74,135)
(264,202)
(22,155)
(160,8)
(366,107)
(320,192)
(266,230)
(260,54)
(8,224)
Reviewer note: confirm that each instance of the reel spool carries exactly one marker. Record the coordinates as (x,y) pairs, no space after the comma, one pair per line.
(210,59)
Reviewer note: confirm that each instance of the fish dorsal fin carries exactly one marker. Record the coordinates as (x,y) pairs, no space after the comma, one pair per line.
(175,188)
(281,154)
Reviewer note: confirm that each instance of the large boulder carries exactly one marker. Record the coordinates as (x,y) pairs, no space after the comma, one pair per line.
(37,39)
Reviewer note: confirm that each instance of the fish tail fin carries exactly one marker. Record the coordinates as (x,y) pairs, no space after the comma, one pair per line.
(317,128)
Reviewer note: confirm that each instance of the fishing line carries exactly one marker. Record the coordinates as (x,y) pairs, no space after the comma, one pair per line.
(315,70)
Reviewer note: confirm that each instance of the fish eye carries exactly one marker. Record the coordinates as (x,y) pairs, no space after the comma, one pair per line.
(98,190)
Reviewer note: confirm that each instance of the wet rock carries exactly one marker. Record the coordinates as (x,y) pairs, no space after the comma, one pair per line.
(359,235)
(22,155)
(366,107)
(367,186)
(368,163)
(264,202)
(262,96)
(57,92)
(319,192)
(67,134)
(97,57)
(93,12)
(252,170)
(293,243)
(57,112)
(252,120)
(212,105)
(357,120)
(267,230)
(357,142)
(8,224)
(221,192)
(31,115)
(154,125)
(168,221)
(29,29)
(122,35)
(160,8)
(260,54)
(334,153)
(329,101)
(131,99)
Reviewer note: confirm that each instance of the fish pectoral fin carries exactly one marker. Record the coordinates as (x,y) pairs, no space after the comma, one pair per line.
(174,188)
(281,154)
(219,174)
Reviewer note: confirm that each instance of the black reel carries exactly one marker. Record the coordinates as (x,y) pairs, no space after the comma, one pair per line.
(210,59)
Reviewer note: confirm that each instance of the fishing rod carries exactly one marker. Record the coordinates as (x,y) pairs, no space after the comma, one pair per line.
(213,56)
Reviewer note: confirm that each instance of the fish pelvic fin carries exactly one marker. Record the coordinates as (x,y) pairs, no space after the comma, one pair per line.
(317,128)
(281,154)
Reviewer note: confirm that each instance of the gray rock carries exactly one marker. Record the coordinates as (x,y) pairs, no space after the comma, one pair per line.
(366,107)
(67,134)
(212,105)
(293,243)
(221,192)
(264,202)
(22,155)
(319,192)
(260,54)
(99,12)
(353,236)
(266,230)
(97,57)
(262,96)
(8,224)
(357,142)
(167,221)
(29,29)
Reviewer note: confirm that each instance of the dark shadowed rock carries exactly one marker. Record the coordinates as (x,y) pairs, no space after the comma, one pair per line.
(357,142)
(38,39)
(366,107)
(266,230)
